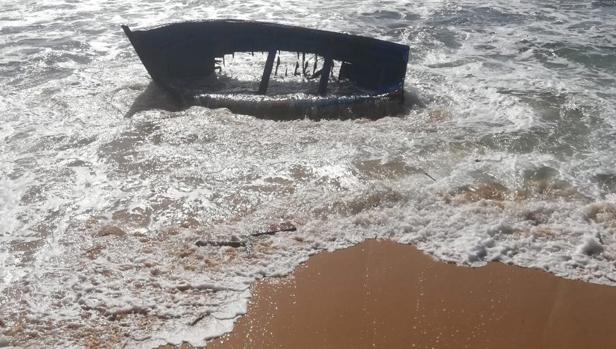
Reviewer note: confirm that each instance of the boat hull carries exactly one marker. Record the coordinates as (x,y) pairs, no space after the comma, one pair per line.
(177,55)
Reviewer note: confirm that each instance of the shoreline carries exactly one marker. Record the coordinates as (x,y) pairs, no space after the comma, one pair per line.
(381,294)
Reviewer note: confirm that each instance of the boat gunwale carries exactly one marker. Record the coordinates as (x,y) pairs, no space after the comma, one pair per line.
(364,52)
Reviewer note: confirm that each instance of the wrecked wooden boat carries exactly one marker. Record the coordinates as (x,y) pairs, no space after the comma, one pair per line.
(337,71)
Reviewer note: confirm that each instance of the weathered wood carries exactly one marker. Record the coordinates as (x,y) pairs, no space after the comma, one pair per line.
(234,244)
(325,72)
(176,52)
(267,72)
(277,65)
(276,228)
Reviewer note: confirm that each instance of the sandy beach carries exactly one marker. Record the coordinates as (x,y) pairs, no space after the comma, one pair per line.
(380,294)
(151,186)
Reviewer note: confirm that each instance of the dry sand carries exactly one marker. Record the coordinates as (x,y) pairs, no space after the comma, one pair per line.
(385,295)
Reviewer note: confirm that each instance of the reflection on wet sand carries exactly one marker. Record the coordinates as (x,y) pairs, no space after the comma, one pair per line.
(384,295)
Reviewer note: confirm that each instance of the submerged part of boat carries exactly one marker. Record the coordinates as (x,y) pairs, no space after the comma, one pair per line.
(184,58)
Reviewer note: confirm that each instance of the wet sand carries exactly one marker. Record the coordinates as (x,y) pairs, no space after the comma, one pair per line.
(381,294)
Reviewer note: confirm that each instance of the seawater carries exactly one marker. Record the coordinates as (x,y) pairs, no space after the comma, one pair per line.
(105,189)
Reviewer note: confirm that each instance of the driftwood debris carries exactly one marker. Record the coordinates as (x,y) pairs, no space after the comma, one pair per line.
(236,243)
(276,228)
